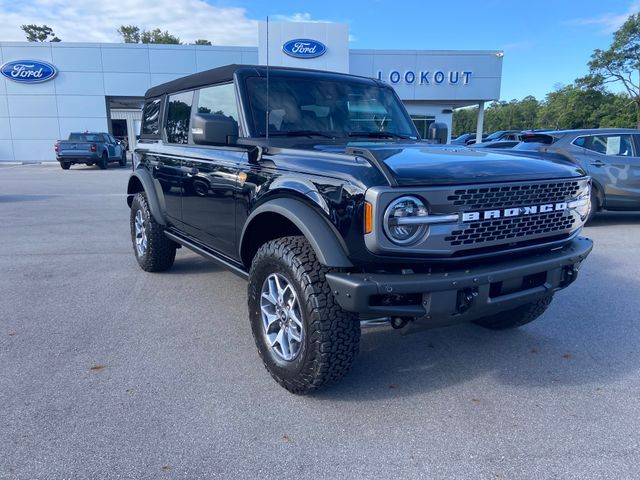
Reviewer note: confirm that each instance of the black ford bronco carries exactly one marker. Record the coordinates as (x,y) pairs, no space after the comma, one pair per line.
(317,188)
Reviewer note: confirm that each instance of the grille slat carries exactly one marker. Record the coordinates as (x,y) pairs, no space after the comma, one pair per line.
(514,195)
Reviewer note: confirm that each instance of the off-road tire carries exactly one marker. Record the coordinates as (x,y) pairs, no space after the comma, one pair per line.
(104,163)
(517,317)
(65,165)
(123,159)
(161,252)
(331,337)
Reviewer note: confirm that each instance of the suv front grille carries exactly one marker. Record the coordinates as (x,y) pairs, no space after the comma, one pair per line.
(484,198)
(506,229)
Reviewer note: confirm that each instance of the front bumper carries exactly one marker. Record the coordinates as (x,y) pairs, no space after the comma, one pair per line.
(460,295)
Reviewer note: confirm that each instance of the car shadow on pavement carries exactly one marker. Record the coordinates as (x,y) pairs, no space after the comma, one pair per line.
(188,263)
(605,219)
(582,339)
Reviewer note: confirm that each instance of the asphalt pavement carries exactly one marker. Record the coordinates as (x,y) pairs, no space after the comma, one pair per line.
(110,372)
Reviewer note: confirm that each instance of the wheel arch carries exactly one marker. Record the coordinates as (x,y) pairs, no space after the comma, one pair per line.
(141,181)
(599,191)
(288,216)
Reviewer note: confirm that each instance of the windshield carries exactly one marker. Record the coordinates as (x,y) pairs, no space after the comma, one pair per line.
(495,135)
(326,108)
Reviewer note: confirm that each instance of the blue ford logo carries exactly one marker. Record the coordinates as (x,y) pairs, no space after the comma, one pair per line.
(304,48)
(28,71)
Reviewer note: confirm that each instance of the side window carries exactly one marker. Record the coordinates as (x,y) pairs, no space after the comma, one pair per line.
(614,145)
(178,116)
(219,99)
(151,118)
(580,142)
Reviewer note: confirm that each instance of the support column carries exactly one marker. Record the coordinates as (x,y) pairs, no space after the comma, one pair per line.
(480,122)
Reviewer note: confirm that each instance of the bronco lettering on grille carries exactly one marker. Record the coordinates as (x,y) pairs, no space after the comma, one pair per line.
(514,212)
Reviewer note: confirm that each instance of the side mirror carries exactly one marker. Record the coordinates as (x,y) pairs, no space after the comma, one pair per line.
(214,129)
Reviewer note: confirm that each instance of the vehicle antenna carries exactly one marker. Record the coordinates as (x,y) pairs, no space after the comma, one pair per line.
(267,107)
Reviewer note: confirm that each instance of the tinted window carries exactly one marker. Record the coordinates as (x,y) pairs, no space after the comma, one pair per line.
(151,118)
(580,141)
(178,116)
(220,99)
(335,107)
(617,145)
(85,137)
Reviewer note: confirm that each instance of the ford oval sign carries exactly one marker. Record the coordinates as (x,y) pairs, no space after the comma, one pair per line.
(28,71)
(304,48)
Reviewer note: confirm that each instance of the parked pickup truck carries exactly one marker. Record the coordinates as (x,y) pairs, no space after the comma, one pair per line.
(319,192)
(90,148)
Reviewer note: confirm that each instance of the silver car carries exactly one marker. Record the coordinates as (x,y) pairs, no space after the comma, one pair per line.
(610,156)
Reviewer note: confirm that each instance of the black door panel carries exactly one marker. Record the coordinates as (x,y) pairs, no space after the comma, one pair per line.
(209,195)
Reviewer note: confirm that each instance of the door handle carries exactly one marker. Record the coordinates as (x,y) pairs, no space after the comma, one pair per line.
(189,170)
(598,163)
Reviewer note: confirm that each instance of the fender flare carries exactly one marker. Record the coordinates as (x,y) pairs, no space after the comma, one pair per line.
(323,237)
(149,187)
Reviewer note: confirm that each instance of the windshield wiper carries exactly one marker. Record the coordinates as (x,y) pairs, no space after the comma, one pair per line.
(378,135)
(300,133)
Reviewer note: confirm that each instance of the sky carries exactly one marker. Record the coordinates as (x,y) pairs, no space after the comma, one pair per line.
(546,43)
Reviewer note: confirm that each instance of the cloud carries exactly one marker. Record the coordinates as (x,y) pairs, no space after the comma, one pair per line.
(82,21)
(297,17)
(607,22)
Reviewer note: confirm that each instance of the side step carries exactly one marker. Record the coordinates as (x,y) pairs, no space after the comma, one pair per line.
(206,252)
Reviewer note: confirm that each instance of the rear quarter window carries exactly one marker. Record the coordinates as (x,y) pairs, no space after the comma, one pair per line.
(151,118)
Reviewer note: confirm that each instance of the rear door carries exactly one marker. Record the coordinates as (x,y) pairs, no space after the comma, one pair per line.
(613,160)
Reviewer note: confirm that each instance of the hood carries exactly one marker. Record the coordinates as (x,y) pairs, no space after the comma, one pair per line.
(425,164)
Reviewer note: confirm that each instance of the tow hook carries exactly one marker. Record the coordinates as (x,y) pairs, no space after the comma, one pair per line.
(466,298)
(399,322)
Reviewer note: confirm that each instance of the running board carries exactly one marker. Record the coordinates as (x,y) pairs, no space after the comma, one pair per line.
(207,253)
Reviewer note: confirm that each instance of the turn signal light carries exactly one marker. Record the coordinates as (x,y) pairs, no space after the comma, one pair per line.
(368,217)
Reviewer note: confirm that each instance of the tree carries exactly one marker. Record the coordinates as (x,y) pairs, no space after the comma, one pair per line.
(39,33)
(202,42)
(158,36)
(620,63)
(130,33)
(133,34)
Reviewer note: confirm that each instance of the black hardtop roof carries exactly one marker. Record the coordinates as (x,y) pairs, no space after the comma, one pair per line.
(225,74)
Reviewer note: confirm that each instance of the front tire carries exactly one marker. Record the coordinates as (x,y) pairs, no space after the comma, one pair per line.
(594,204)
(153,250)
(516,317)
(304,338)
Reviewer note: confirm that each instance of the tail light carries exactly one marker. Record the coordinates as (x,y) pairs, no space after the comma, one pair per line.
(55,147)
(93,147)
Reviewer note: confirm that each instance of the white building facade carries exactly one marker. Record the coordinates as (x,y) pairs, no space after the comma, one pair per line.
(99,87)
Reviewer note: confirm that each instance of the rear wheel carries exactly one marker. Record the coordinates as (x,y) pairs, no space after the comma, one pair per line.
(65,165)
(154,251)
(517,317)
(104,162)
(304,338)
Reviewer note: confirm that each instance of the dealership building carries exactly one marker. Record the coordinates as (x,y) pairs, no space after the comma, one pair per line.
(48,90)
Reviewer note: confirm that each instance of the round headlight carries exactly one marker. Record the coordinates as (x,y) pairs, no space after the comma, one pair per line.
(401,220)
